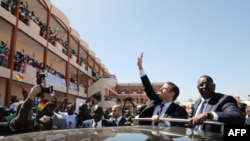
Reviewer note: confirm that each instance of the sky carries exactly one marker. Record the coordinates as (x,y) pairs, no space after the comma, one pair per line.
(181,40)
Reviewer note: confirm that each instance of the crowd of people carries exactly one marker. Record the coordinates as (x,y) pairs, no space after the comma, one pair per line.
(25,15)
(51,117)
(22,59)
(4,53)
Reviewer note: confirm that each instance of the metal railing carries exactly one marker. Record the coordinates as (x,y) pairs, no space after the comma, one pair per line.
(182,121)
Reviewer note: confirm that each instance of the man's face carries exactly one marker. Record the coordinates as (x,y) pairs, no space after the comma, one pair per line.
(165,92)
(46,122)
(97,113)
(83,109)
(115,112)
(70,109)
(206,87)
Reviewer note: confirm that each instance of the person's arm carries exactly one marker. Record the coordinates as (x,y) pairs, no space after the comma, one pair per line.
(27,5)
(149,90)
(59,105)
(23,113)
(54,98)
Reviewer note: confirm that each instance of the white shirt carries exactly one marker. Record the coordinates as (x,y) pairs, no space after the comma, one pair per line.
(71,119)
(117,120)
(142,73)
(163,111)
(99,124)
(14,106)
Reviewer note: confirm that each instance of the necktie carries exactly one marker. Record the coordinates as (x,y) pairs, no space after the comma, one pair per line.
(201,107)
(95,124)
(199,112)
(159,113)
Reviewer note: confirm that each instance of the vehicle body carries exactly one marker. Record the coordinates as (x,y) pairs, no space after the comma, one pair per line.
(121,133)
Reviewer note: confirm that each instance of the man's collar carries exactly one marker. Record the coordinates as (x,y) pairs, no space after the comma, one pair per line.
(207,99)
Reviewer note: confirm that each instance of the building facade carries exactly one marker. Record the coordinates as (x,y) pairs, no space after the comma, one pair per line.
(36,38)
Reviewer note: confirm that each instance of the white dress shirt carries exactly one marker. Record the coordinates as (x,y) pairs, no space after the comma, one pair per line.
(99,124)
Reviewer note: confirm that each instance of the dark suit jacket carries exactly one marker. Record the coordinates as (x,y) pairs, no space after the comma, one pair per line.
(173,111)
(225,107)
(105,123)
(121,122)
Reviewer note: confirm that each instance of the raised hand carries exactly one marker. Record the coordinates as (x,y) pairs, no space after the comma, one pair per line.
(139,62)
(34,91)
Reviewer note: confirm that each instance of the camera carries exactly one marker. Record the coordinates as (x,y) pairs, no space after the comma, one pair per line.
(39,81)
(40,77)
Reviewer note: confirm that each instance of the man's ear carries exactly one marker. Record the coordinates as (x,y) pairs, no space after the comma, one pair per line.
(214,85)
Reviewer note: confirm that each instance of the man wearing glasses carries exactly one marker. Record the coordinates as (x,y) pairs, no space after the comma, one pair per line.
(214,106)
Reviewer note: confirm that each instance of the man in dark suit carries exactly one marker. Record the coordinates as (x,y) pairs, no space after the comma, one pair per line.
(84,114)
(218,107)
(97,121)
(117,115)
(162,104)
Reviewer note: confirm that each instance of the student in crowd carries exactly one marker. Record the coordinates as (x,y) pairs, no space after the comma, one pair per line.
(22,123)
(84,114)
(214,106)
(70,116)
(59,122)
(161,105)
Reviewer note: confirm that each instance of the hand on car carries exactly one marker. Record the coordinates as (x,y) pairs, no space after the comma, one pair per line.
(155,118)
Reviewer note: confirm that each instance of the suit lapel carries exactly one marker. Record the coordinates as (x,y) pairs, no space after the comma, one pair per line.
(150,109)
(210,103)
(169,110)
(103,124)
(207,108)
(122,121)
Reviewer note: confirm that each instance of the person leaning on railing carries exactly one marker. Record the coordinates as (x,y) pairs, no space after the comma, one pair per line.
(161,105)
(216,107)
